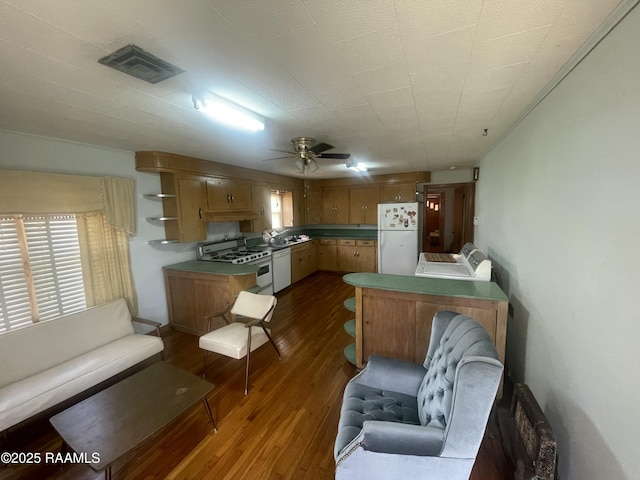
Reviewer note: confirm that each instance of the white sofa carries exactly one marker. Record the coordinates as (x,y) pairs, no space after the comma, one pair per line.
(49,362)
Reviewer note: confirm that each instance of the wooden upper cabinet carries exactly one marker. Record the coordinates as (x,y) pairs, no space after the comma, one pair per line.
(228,195)
(363,205)
(313,206)
(262,208)
(335,206)
(298,208)
(398,192)
(184,207)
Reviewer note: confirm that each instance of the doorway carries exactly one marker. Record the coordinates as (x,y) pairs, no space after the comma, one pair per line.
(448,217)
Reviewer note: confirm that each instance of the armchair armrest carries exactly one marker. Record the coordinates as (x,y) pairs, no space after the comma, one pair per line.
(392,374)
(402,438)
(222,315)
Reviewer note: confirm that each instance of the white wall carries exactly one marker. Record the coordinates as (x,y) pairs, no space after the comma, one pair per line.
(28,152)
(559,207)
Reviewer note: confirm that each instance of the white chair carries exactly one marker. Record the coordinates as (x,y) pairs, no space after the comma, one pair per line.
(238,339)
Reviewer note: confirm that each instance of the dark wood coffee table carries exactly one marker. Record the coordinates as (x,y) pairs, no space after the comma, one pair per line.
(117,419)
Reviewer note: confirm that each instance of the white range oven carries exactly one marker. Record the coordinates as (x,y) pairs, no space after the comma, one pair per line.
(236,252)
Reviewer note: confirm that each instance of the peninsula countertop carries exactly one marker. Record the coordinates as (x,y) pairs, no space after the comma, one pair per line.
(427,286)
(214,268)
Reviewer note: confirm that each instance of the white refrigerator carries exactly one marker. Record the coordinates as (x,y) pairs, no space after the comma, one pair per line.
(398,238)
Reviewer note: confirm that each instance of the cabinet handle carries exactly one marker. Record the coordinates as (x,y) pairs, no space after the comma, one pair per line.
(200,213)
(228,198)
(231,198)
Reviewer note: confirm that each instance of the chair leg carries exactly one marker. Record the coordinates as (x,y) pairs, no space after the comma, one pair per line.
(272,342)
(204,363)
(246,374)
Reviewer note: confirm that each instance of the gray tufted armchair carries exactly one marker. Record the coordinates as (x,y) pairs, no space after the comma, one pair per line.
(403,420)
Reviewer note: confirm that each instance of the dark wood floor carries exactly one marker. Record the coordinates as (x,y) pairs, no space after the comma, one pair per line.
(284,428)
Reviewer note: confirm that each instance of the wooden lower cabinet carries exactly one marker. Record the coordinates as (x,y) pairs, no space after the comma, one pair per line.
(357,256)
(304,260)
(328,254)
(192,296)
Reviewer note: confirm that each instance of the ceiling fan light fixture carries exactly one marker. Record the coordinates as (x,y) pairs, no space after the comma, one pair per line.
(227,112)
(357,166)
(312,165)
(298,165)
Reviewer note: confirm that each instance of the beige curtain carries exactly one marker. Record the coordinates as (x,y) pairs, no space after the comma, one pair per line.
(106,264)
(106,217)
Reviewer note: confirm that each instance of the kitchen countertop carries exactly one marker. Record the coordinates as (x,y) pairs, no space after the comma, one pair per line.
(214,268)
(426,285)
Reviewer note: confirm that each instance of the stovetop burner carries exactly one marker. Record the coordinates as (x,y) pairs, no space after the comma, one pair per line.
(231,251)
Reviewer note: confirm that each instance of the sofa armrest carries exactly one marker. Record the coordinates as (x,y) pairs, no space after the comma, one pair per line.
(152,323)
(392,374)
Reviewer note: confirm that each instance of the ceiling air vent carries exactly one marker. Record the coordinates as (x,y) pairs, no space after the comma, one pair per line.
(134,61)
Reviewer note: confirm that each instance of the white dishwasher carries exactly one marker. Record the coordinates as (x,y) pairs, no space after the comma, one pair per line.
(281,269)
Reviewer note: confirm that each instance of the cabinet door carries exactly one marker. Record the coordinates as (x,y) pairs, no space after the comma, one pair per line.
(335,206)
(363,205)
(262,206)
(366,258)
(298,208)
(312,257)
(313,206)
(298,263)
(227,195)
(404,192)
(347,258)
(328,256)
(190,200)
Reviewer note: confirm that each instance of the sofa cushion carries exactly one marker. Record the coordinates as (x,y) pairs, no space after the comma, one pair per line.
(27,351)
(29,396)
(361,403)
(462,337)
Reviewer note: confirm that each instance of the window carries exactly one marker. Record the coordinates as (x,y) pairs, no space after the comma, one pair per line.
(40,269)
(276,210)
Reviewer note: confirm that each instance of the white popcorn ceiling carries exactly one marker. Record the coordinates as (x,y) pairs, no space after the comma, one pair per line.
(402,85)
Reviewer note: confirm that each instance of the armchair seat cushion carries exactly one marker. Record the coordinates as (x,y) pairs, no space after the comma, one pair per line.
(231,340)
(362,403)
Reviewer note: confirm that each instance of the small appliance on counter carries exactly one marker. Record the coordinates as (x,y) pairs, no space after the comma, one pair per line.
(235,251)
(468,266)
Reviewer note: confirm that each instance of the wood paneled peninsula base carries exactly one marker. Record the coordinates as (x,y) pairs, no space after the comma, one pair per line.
(196,289)
(394,312)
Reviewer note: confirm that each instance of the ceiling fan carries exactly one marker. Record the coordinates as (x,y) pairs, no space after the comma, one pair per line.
(305,151)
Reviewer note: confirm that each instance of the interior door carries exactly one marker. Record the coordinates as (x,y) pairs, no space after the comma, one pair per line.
(458,218)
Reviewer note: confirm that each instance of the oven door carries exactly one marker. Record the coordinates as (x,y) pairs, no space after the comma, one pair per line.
(264,275)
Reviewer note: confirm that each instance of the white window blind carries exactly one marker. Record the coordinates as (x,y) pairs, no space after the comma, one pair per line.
(40,270)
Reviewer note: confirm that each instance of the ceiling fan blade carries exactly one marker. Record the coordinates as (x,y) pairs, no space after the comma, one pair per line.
(278,150)
(321,147)
(278,158)
(339,156)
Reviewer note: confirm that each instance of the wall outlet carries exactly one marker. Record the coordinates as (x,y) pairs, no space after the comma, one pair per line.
(476,220)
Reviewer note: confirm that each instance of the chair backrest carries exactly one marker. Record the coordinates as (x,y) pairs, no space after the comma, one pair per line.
(253,305)
(454,337)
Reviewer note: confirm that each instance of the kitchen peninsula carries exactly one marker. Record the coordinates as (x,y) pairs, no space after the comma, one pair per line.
(394,312)
(196,289)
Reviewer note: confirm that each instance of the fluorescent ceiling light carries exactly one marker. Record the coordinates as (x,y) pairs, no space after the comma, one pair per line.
(357,166)
(228,112)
